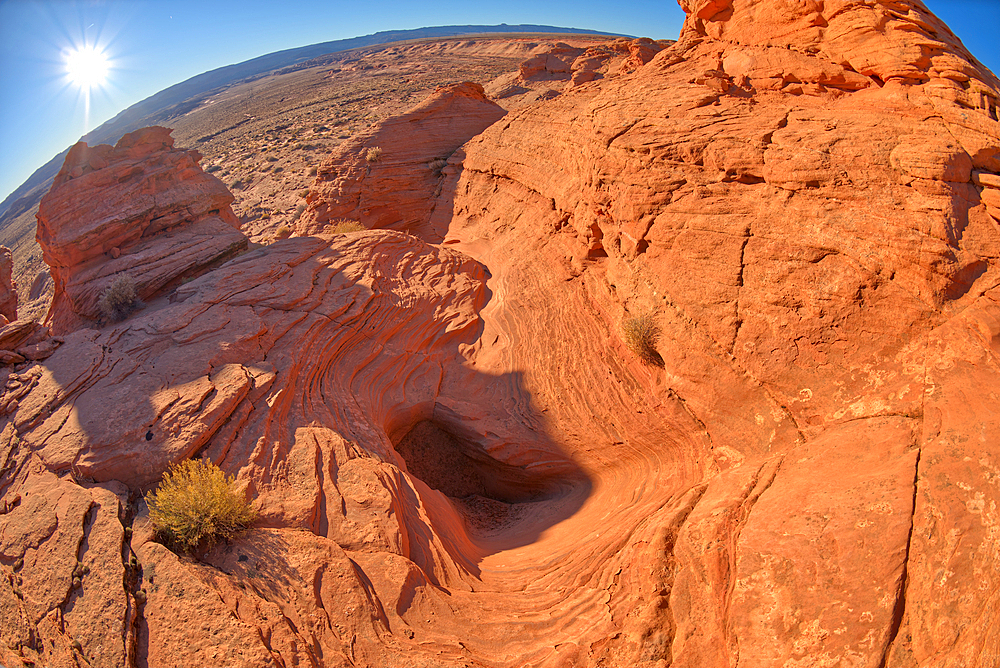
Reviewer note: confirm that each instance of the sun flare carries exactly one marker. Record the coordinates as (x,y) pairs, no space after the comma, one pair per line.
(87,66)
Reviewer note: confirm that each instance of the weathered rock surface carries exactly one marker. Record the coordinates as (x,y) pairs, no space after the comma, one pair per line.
(459,462)
(563,67)
(8,289)
(395,187)
(140,208)
(803,202)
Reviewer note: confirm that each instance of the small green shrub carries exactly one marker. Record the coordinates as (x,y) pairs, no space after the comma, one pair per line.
(642,333)
(197,502)
(345,225)
(120,300)
(374,154)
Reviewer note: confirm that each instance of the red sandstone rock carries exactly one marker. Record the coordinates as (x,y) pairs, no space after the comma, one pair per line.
(459,462)
(8,289)
(396,190)
(563,67)
(143,209)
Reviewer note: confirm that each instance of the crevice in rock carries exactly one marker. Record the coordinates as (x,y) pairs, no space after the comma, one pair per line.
(88,522)
(739,290)
(131,576)
(616,135)
(899,609)
(741,519)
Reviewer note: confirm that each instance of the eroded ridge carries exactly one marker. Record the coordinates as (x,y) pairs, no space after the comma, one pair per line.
(460,462)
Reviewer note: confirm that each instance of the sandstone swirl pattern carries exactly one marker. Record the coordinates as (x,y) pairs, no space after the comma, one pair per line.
(458,460)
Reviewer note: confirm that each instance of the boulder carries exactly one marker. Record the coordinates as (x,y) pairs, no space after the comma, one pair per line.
(142,209)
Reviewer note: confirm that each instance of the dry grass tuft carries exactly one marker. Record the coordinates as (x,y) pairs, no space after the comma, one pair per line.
(197,502)
(642,333)
(283,232)
(120,300)
(345,225)
(374,154)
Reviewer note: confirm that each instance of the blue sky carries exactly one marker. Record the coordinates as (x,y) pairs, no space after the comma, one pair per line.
(155,44)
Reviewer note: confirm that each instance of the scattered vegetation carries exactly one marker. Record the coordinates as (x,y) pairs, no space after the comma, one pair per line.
(642,333)
(345,225)
(437,164)
(197,502)
(374,154)
(213,168)
(283,232)
(236,185)
(298,211)
(120,300)
(304,193)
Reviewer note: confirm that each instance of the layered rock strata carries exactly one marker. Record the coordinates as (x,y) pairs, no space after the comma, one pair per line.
(8,289)
(457,457)
(141,208)
(802,199)
(389,177)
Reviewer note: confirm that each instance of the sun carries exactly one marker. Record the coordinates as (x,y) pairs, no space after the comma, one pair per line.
(87,67)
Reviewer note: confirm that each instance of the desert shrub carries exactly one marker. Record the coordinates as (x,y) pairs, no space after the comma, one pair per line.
(344,225)
(120,299)
(236,185)
(197,502)
(374,154)
(213,168)
(641,336)
(313,171)
(278,170)
(299,211)
(283,232)
(304,193)
(271,158)
(437,164)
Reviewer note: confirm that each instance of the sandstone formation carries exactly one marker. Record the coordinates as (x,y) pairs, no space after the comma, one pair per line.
(565,66)
(140,208)
(457,458)
(389,178)
(8,289)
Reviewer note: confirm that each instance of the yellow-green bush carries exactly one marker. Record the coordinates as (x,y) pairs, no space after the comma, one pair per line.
(197,502)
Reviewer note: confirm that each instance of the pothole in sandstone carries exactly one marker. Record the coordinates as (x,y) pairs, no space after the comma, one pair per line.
(491,495)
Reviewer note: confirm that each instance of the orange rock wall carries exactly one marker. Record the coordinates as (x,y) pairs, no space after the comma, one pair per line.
(457,458)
